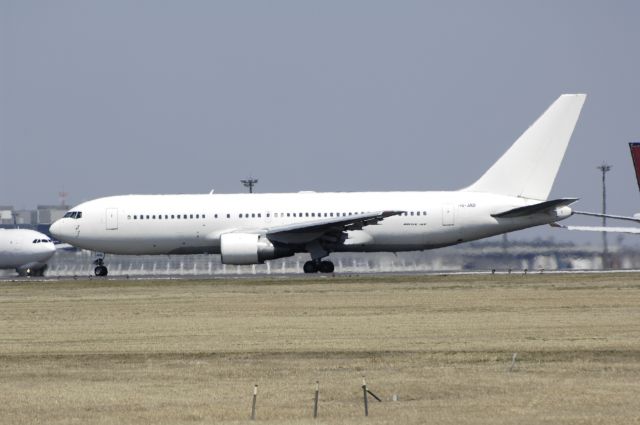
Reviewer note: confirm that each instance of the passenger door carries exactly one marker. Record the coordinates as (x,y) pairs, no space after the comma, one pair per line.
(112,219)
(448,215)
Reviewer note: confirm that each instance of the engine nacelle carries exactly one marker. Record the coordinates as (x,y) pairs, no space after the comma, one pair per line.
(249,248)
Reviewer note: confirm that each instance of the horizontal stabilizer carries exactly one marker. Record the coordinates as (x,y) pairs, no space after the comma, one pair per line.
(536,208)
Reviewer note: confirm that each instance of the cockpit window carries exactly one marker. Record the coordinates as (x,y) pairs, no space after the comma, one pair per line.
(73,214)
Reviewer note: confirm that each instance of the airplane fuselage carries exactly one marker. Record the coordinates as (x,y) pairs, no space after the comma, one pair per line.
(189,224)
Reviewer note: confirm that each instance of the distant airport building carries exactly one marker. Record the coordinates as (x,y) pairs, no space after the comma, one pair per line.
(26,217)
(39,219)
(47,214)
(6,214)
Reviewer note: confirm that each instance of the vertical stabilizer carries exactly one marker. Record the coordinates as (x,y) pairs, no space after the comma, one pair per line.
(529,167)
(635,157)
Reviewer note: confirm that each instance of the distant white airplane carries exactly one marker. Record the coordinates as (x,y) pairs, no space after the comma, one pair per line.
(252,228)
(635,156)
(26,251)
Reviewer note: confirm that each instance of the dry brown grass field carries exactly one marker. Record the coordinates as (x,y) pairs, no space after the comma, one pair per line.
(188,352)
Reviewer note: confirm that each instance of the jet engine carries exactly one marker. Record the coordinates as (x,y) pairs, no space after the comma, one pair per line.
(249,248)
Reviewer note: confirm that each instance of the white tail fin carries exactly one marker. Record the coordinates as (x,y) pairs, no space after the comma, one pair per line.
(529,167)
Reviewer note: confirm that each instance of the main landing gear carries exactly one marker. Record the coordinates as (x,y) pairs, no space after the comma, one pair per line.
(318,266)
(101,269)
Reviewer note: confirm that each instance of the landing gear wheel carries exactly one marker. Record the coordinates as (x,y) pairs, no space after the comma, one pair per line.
(101,271)
(310,267)
(326,267)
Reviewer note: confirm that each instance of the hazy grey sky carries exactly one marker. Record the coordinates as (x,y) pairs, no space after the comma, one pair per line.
(111,97)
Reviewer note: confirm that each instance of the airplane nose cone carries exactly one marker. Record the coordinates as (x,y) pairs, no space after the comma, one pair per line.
(57,230)
(48,249)
(51,247)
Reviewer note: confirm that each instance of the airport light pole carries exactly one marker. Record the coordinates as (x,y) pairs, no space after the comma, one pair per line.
(604,168)
(250,182)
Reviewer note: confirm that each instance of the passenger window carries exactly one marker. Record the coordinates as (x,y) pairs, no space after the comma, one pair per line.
(184,216)
(289,215)
(228,215)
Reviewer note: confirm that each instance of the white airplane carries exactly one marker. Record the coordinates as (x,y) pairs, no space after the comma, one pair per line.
(26,251)
(253,228)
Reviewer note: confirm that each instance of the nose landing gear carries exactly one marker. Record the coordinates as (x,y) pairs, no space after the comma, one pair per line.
(101,269)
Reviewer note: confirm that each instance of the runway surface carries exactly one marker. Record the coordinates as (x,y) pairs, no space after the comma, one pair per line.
(13,277)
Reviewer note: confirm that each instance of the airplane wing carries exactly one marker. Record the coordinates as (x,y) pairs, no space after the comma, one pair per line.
(599,228)
(535,208)
(331,228)
(634,218)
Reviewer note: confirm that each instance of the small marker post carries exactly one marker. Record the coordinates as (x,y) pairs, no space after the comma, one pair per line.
(315,400)
(253,404)
(513,361)
(366,401)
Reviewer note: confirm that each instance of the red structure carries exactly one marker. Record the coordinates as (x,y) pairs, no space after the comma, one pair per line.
(635,156)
